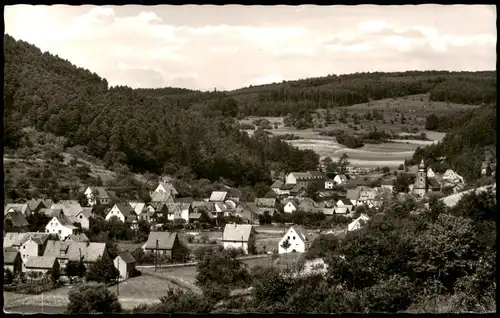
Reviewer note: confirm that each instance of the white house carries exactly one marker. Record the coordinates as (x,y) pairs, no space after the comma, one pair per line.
(356,224)
(340,179)
(452,177)
(166,187)
(294,240)
(97,195)
(430,173)
(185,211)
(329,184)
(125,264)
(290,207)
(124,213)
(61,226)
(238,236)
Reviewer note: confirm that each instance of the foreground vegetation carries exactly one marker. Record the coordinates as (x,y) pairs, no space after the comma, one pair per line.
(436,260)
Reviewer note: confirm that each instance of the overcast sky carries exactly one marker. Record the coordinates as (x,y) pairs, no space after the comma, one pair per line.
(202,47)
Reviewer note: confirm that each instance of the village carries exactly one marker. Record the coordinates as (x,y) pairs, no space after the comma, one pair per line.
(64,241)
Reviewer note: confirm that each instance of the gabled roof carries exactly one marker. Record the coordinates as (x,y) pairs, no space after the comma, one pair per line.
(89,251)
(237,232)
(169,187)
(9,257)
(194,216)
(166,240)
(185,206)
(33,204)
(316,174)
(69,207)
(87,212)
(287,186)
(341,210)
(64,221)
(81,237)
(127,257)
(352,194)
(301,175)
(161,197)
(292,202)
(127,211)
(21,207)
(265,202)
(297,188)
(48,203)
(51,212)
(101,192)
(220,205)
(174,208)
(301,232)
(44,262)
(138,207)
(218,196)
(345,201)
(277,184)
(56,248)
(18,219)
(306,202)
(187,200)
(433,183)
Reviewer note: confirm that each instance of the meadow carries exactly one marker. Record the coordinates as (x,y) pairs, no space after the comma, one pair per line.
(414,108)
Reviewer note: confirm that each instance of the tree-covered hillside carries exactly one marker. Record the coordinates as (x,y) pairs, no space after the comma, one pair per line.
(123,126)
(303,96)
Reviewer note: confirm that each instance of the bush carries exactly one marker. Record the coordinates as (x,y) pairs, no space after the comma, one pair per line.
(178,301)
(93,298)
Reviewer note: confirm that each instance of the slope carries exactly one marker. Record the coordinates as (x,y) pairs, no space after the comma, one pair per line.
(121,126)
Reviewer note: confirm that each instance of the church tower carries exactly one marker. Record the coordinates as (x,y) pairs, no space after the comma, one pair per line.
(420,187)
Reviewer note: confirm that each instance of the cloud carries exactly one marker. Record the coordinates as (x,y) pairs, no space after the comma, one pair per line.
(203,47)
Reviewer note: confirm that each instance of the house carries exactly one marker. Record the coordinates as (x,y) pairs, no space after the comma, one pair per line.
(329,184)
(61,226)
(220,207)
(97,195)
(163,197)
(357,223)
(294,240)
(232,202)
(20,207)
(291,206)
(267,204)
(342,210)
(387,184)
(451,176)
(423,183)
(194,217)
(15,221)
(367,197)
(247,211)
(16,240)
(353,195)
(218,196)
(12,261)
(340,179)
(308,205)
(80,237)
(59,250)
(35,205)
(34,245)
(166,187)
(298,191)
(125,264)
(185,210)
(74,212)
(138,207)
(165,243)
(156,210)
(87,252)
(42,264)
(327,207)
(124,213)
(303,179)
(346,203)
(174,211)
(276,187)
(430,173)
(199,206)
(239,236)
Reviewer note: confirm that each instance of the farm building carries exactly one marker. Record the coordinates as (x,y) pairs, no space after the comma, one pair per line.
(124,213)
(125,264)
(42,264)
(12,261)
(166,187)
(21,207)
(239,236)
(59,250)
(166,243)
(303,179)
(88,252)
(33,246)
(15,221)
(290,206)
(294,240)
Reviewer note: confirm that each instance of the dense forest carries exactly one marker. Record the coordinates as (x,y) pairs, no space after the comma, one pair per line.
(123,127)
(301,97)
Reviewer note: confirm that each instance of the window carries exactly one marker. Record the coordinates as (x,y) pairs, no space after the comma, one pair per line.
(59,231)
(294,237)
(81,216)
(288,238)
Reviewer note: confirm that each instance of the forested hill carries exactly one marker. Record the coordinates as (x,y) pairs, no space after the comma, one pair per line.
(301,96)
(124,127)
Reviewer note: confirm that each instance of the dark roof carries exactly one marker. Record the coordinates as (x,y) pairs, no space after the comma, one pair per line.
(297,188)
(265,202)
(45,262)
(56,248)
(127,257)
(33,204)
(433,183)
(9,256)
(81,237)
(165,240)
(194,216)
(287,186)
(277,184)
(101,192)
(184,200)
(316,174)
(127,212)
(18,218)
(346,201)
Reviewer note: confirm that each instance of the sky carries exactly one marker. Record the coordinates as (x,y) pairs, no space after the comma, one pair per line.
(228,47)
